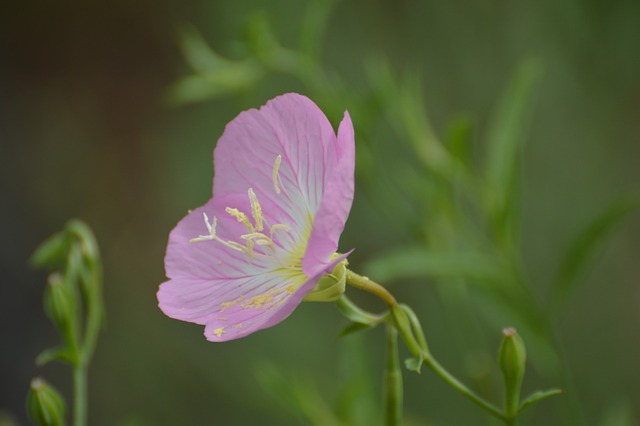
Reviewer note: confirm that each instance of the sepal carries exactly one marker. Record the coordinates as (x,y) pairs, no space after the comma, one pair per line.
(330,287)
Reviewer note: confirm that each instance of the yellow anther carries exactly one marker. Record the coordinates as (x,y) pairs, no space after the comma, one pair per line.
(237,246)
(258,238)
(278,227)
(253,236)
(274,175)
(256,210)
(219,331)
(240,217)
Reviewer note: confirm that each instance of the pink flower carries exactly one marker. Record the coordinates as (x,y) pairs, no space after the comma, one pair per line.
(283,188)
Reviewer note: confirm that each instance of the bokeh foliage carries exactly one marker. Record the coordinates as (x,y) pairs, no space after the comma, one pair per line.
(496,156)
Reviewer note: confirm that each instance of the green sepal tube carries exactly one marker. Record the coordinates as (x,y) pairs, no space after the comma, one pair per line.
(512,360)
(330,287)
(45,405)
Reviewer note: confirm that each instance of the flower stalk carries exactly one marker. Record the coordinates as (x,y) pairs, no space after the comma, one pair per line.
(73,301)
(393,380)
(404,322)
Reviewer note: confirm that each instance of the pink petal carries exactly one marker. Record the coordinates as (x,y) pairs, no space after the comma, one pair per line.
(241,302)
(207,260)
(293,127)
(234,308)
(336,202)
(222,288)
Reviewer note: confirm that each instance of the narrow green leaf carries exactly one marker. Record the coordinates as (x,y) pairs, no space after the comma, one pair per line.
(51,252)
(586,244)
(504,140)
(54,354)
(459,136)
(265,46)
(537,397)
(414,364)
(214,75)
(355,314)
(419,262)
(314,22)
(354,328)
(196,51)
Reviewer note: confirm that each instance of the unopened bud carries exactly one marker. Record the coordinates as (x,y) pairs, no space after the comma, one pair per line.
(59,303)
(512,359)
(45,405)
(60,306)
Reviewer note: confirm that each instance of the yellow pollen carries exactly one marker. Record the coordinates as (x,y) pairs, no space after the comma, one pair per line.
(256,210)
(240,217)
(225,305)
(274,175)
(258,301)
(219,331)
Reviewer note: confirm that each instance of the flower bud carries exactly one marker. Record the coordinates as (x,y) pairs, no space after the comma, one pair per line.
(59,303)
(60,306)
(331,286)
(45,405)
(512,359)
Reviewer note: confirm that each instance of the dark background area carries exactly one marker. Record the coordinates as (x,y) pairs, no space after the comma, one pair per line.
(86,131)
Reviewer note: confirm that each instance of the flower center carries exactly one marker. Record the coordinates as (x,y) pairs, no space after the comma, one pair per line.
(257,242)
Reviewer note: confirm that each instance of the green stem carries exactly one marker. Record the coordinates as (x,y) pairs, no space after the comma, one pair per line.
(393,380)
(80,394)
(462,388)
(364,283)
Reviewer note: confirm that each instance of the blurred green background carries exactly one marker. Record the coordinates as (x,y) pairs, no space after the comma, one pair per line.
(109,112)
